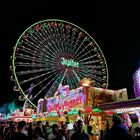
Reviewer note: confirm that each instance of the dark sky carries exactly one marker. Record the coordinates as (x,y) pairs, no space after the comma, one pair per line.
(115,28)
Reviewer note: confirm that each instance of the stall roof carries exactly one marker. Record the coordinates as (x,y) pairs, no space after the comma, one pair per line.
(120,104)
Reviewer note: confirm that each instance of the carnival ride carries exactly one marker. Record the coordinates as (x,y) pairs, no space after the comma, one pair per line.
(54,51)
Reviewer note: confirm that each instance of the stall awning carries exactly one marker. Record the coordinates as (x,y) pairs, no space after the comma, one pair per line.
(122,104)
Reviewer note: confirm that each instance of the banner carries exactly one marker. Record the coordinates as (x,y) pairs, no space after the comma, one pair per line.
(66,100)
(96,96)
(120,95)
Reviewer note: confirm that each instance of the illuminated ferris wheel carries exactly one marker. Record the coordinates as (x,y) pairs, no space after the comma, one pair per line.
(55,51)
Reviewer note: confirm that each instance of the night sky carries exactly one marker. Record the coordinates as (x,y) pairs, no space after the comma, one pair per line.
(115,28)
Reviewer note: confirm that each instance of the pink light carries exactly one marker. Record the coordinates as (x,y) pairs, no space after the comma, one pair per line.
(136,85)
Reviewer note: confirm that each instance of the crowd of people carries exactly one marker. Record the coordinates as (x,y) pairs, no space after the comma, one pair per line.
(39,131)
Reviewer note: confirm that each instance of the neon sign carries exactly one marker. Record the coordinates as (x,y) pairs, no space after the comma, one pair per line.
(66,105)
(136,85)
(70,62)
(73,99)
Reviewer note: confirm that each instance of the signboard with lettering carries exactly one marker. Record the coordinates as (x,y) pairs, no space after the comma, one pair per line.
(96,96)
(121,95)
(66,100)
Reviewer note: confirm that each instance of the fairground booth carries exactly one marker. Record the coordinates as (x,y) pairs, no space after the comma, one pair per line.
(80,103)
(129,110)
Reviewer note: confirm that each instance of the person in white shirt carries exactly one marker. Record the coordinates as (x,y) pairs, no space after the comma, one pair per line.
(53,135)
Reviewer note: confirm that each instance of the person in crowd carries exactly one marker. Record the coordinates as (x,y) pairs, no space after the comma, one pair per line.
(30,129)
(117,131)
(46,129)
(137,133)
(37,134)
(53,135)
(79,134)
(64,128)
(102,135)
(60,135)
(69,133)
(11,131)
(21,133)
(39,124)
(6,129)
(90,134)
(1,132)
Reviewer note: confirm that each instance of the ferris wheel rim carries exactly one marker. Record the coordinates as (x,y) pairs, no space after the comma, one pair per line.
(51,20)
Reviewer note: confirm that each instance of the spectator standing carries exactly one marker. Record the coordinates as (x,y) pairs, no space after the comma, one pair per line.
(37,134)
(21,133)
(117,131)
(53,135)
(79,134)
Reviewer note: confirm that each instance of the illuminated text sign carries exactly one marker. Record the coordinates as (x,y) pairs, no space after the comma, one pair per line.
(70,62)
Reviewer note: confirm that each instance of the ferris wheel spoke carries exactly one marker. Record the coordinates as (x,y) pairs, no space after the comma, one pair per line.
(86,71)
(67,38)
(56,83)
(90,76)
(52,33)
(49,29)
(25,57)
(84,53)
(88,58)
(34,54)
(98,67)
(43,45)
(24,49)
(63,36)
(49,39)
(90,62)
(31,44)
(52,50)
(45,49)
(57,36)
(92,70)
(71,83)
(44,87)
(29,59)
(37,48)
(57,73)
(39,76)
(34,39)
(62,32)
(76,42)
(32,71)
(97,78)
(45,79)
(39,59)
(35,65)
(69,80)
(80,46)
(75,80)
(96,84)
(48,46)
(65,72)
(76,75)
(72,40)
(39,36)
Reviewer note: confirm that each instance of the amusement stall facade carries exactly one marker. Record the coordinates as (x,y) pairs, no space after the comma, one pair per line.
(80,103)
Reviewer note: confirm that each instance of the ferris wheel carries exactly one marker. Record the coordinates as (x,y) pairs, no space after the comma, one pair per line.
(54,51)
